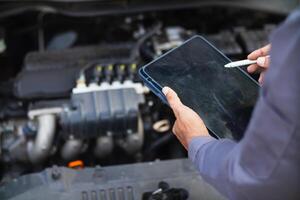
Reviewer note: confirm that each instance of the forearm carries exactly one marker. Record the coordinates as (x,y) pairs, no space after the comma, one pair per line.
(265,163)
(208,154)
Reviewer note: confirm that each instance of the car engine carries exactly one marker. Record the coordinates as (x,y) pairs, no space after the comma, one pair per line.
(70,95)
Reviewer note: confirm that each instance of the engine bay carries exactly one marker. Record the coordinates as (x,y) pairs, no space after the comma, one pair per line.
(70,93)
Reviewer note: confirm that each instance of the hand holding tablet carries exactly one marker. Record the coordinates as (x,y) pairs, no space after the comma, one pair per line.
(224,98)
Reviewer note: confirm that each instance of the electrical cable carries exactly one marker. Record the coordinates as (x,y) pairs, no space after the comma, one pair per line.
(135,52)
(136,49)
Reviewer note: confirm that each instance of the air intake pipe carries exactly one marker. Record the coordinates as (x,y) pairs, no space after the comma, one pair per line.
(39,149)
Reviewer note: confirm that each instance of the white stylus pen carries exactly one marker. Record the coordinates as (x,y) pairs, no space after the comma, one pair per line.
(241,63)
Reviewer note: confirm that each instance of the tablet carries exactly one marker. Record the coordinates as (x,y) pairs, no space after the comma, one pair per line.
(223,97)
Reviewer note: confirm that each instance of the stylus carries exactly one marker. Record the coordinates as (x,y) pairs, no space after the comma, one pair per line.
(240,63)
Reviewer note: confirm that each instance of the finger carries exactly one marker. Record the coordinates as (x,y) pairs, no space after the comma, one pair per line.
(174,129)
(259,52)
(263,61)
(252,68)
(261,78)
(173,100)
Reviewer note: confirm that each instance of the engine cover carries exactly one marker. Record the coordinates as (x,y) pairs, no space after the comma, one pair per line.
(52,74)
(101,110)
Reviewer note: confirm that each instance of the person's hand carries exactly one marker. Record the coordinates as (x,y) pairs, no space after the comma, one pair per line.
(263,61)
(188,123)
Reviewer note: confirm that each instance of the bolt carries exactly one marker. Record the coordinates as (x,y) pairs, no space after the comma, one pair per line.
(55,172)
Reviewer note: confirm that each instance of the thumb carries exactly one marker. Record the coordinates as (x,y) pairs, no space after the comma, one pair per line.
(263,61)
(173,100)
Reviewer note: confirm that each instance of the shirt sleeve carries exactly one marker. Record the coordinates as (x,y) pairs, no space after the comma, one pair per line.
(265,164)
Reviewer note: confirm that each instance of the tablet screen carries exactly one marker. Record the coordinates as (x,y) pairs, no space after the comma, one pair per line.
(223,97)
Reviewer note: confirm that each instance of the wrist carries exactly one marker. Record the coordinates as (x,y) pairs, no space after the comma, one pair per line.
(196,143)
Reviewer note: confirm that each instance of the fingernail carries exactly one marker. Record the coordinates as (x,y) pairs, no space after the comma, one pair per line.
(261,61)
(165,90)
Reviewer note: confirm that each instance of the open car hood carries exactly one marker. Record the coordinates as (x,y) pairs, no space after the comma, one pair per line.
(104,7)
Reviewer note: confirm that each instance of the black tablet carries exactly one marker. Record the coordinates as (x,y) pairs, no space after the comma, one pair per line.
(223,97)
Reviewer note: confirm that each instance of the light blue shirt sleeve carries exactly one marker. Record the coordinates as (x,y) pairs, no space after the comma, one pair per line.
(265,164)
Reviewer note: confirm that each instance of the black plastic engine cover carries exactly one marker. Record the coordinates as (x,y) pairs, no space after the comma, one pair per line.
(52,74)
